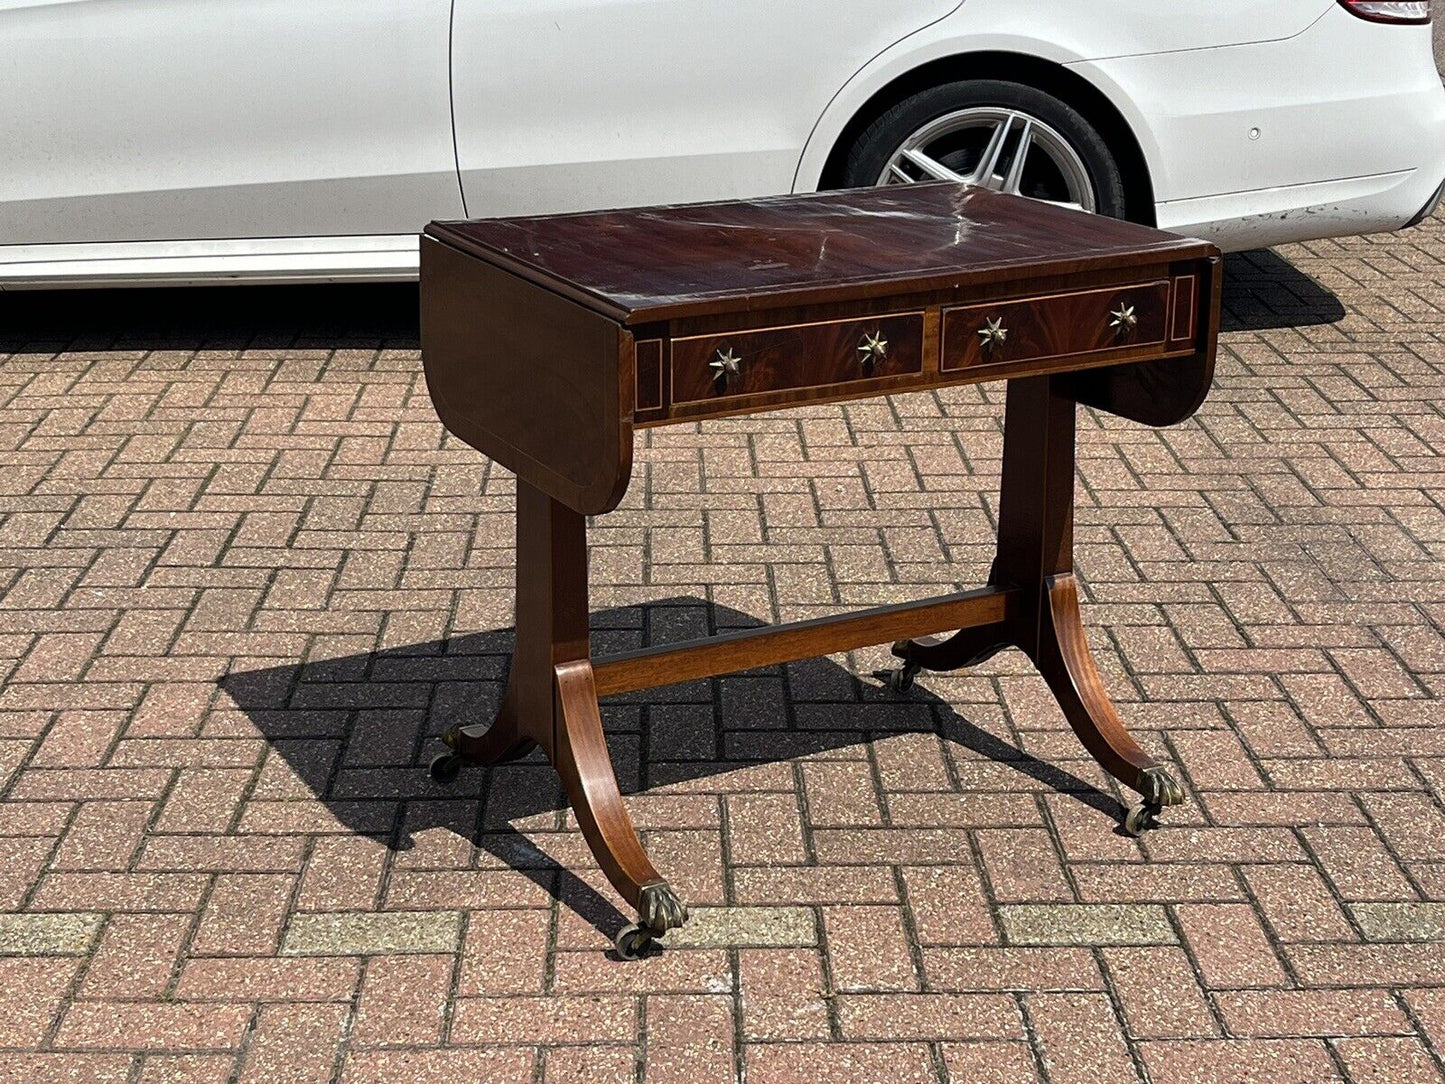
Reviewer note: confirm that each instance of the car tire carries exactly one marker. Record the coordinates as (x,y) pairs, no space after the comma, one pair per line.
(876,148)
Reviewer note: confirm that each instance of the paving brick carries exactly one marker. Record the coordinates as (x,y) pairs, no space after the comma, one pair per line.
(948,906)
(1410,824)
(783,995)
(1297,903)
(1022,866)
(1400,921)
(78,739)
(136,958)
(1079,1038)
(537,1020)
(1428,1006)
(74,1068)
(1384,1061)
(868,949)
(48,934)
(36,990)
(1229,946)
(724,927)
(689,1040)
(497,1065)
(1409,964)
(839,1063)
(1228,1061)
(814,885)
(1357,863)
(841,793)
(505,952)
(203,800)
(929,1017)
(1159,993)
(160,1026)
(1086,924)
(1323,1013)
(340,934)
(169,892)
(243,915)
(590,1065)
(679,971)
(186,1068)
(765,829)
(989,1063)
(403,1001)
(299,1043)
(268,978)
(964,969)
(343,874)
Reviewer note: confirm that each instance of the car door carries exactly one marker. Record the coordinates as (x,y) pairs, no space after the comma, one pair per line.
(128,120)
(573,104)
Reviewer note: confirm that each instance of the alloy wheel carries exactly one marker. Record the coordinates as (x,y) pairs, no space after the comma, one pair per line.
(1001,149)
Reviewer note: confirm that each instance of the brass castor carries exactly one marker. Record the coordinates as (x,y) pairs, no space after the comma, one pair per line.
(1159,789)
(1140,818)
(900,678)
(445,767)
(632,941)
(660,910)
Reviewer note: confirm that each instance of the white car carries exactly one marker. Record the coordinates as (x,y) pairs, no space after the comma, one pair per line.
(148,141)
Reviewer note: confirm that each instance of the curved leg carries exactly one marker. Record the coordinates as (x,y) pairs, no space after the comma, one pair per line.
(579,753)
(496,744)
(1064,660)
(965,648)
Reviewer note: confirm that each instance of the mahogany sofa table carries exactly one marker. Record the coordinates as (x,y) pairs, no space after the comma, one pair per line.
(547,341)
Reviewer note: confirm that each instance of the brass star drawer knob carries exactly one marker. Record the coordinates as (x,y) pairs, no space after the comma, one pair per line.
(725,364)
(872,349)
(993,334)
(1124,320)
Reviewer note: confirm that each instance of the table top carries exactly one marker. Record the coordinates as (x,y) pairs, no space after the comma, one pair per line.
(658,263)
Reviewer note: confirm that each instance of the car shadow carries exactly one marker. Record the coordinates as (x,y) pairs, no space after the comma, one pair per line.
(1263,291)
(312,317)
(358,731)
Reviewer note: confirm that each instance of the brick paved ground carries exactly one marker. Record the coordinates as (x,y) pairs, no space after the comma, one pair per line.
(246,582)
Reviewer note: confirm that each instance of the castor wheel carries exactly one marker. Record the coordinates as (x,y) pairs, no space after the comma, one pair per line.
(900,678)
(445,767)
(632,941)
(1141,818)
(1158,788)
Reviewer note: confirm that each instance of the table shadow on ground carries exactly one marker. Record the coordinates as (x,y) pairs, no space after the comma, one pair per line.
(360,730)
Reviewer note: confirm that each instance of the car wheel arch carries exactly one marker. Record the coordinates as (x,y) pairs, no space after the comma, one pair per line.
(1045,75)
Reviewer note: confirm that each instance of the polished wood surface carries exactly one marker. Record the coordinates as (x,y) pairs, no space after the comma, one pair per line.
(542,396)
(748,648)
(800,356)
(663,263)
(548,341)
(1063,327)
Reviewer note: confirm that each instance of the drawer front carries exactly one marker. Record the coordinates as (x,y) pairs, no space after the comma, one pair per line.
(1132,318)
(708,368)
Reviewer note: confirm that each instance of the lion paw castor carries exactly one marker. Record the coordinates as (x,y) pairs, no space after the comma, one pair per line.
(1159,789)
(660,910)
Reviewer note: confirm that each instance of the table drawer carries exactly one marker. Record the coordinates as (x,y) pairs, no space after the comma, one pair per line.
(707,368)
(1059,325)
